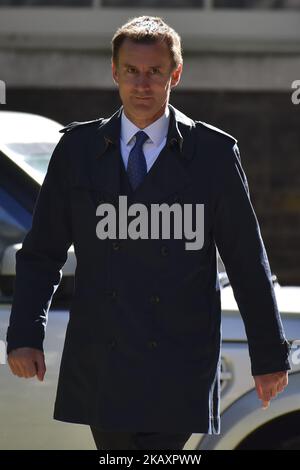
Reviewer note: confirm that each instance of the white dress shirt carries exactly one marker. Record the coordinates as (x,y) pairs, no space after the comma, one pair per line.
(157,132)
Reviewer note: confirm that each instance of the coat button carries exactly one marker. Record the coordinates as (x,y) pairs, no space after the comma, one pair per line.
(116,246)
(112,344)
(112,294)
(164,250)
(154,299)
(152,344)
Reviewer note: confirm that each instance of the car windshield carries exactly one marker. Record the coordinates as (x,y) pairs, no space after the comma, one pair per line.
(32,157)
(29,140)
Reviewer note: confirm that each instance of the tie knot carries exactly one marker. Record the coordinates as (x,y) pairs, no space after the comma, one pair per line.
(141,138)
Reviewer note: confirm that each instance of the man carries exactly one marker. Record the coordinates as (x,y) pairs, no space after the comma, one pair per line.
(141,361)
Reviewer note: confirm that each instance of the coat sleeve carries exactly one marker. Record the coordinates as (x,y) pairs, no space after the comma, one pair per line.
(238,238)
(43,253)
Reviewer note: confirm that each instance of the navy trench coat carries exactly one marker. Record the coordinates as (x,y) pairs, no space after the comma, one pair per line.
(142,346)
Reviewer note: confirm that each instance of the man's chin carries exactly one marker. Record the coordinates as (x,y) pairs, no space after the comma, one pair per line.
(143,104)
(143,110)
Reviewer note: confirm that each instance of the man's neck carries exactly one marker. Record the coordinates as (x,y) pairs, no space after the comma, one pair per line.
(143,123)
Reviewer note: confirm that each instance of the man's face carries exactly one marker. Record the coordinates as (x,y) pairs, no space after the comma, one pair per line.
(144,75)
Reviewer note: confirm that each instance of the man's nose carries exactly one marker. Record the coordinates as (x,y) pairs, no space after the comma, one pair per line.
(142,81)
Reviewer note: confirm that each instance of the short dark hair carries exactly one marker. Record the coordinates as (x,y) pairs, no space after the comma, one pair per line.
(147,30)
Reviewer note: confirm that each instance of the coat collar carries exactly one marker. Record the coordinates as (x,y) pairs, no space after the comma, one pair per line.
(166,177)
(156,131)
(111,128)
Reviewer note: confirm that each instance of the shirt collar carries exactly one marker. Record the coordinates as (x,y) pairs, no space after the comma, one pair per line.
(156,131)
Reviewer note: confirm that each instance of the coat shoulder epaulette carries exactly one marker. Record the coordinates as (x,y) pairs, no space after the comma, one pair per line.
(217,131)
(79,124)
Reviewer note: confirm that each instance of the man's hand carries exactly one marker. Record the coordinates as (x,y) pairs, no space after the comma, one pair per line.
(27,362)
(268,385)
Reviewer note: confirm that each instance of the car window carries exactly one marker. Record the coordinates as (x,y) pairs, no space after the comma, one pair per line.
(31,157)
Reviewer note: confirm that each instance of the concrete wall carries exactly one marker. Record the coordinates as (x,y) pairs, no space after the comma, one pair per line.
(78,69)
(70,47)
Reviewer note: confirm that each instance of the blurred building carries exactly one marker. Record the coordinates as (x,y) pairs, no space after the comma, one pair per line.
(240,59)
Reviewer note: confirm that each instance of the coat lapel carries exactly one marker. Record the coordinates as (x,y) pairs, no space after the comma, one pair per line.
(105,156)
(167,176)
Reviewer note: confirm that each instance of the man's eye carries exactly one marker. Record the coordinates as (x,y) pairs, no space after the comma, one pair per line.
(154,71)
(130,70)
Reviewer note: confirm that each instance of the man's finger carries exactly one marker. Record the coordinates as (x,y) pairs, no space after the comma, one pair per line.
(40,366)
(285,380)
(20,368)
(15,369)
(280,387)
(265,404)
(258,391)
(29,369)
(283,383)
(268,394)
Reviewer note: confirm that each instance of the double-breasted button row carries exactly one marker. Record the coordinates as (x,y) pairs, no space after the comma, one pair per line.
(116,246)
(112,343)
(151,344)
(164,250)
(154,299)
(112,294)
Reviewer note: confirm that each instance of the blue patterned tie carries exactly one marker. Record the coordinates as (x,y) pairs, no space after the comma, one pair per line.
(137,166)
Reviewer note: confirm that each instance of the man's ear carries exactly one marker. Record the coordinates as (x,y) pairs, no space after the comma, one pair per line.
(176,74)
(114,70)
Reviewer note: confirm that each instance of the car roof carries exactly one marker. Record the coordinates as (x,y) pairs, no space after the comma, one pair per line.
(26,127)
(288,299)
